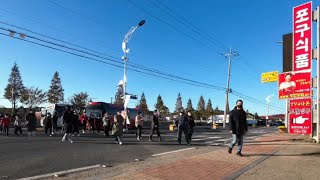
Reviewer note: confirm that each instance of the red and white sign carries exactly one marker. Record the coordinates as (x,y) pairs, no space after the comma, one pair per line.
(302,37)
(300,116)
(294,85)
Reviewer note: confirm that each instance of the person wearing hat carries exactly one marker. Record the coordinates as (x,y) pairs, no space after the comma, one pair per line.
(117,129)
(183,126)
(155,125)
(48,125)
(288,85)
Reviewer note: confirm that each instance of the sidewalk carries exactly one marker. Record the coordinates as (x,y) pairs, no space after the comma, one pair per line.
(268,157)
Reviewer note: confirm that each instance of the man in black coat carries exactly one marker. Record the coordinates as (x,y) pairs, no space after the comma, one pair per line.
(183,126)
(155,125)
(238,126)
(68,118)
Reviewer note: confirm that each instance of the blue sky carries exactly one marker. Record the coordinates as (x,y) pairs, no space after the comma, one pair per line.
(251,28)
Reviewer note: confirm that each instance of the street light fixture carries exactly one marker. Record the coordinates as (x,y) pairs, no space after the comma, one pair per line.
(125,58)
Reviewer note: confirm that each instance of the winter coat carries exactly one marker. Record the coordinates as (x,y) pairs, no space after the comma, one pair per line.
(238,121)
(117,128)
(68,117)
(183,121)
(32,120)
(192,124)
(83,118)
(5,121)
(155,121)
(48,122)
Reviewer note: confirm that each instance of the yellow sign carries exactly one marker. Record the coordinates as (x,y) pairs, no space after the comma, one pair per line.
(269,77)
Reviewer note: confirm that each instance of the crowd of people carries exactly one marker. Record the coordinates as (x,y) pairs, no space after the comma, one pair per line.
(73,122)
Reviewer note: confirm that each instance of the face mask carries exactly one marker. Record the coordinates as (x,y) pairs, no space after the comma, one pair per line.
(239,106)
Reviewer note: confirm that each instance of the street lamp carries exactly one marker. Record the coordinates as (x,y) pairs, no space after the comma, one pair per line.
(125,58)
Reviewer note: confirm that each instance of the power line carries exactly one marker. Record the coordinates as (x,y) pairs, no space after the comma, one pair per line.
(182,80)
(172,27)
(194,28)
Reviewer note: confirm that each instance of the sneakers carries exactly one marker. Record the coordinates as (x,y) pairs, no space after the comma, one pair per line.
(230,150)
(63,139)
(117,142)
(120,143)
(78,135)
(72,135)
(239,154)
(138,138)
(150,139)
(70,141)
(50,135)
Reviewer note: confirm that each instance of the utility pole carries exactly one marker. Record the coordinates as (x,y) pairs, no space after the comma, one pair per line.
(229,55)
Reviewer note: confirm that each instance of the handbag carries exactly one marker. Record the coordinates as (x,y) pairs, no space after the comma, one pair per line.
(115,128)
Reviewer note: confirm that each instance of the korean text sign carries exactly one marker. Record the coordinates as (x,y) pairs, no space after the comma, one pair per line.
(300,114)
(302,37)
(294,85)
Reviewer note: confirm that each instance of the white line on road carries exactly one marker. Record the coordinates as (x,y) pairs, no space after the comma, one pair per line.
(169,152)
(203,139)
(60,173)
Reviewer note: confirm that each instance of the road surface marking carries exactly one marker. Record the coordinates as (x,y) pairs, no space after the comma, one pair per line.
(60,173)
(169,152)
(203,139)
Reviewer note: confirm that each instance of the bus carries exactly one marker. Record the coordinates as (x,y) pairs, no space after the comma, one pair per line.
(58,108)
(98,109)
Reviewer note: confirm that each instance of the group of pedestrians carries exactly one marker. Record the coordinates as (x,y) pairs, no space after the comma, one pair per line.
(16,120)
(71,122)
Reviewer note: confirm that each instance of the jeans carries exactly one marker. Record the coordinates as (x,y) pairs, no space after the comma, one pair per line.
(190,133)
(235,139)
(106,130)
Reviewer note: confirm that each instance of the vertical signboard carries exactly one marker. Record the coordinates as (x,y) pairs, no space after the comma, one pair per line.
(300,116)
(294,85)
(302,37)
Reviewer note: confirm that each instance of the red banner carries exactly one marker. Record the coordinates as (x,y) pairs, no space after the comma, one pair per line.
(294,85)
(302,37)
(300,116)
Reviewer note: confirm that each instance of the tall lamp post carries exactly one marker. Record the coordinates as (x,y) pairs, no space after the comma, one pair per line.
(125,58)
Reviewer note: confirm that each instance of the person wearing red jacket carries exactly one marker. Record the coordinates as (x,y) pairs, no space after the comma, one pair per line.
(5,123)
(84,120)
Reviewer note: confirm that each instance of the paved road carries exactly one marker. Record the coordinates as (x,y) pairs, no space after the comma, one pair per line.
(29,156)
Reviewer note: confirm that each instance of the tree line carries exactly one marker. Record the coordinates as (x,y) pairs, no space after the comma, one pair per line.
(16,91)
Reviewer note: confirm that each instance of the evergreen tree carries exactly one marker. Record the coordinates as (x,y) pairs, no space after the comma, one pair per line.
(15,86)
(216,111)
(55,93)
(209,109)
(179,106)
(256,115)
(201,107)
(247,111)
(33,96)
(189,105)
(79,100)
(143,104)
(160,105)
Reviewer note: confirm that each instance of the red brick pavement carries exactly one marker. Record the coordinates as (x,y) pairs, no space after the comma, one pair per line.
(217,164)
